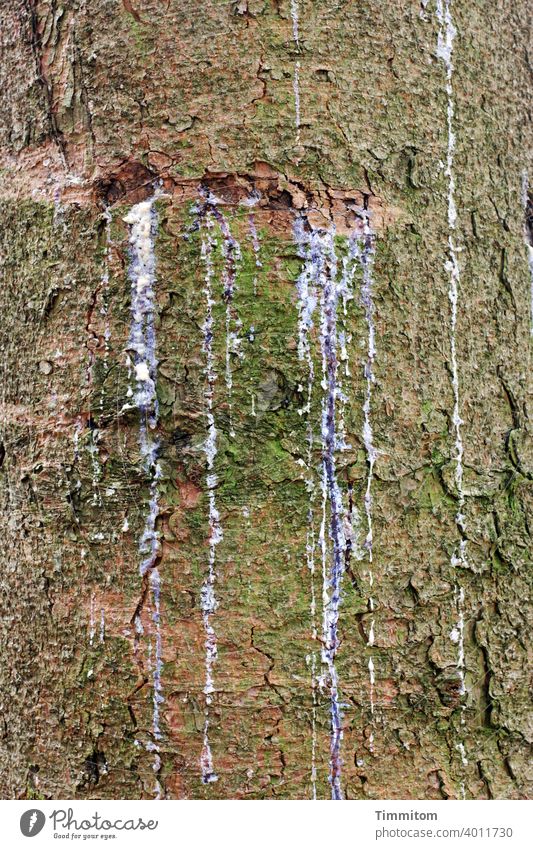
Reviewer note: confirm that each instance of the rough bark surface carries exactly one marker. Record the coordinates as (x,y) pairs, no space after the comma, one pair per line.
(101,104)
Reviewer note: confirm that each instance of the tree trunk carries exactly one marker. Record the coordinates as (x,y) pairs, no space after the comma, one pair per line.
(265,451)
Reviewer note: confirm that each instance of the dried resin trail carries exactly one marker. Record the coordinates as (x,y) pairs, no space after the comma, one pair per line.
(447,33)
(527,203)
(142,220)
(321,286)
(208,598)
(365,253)
(232,257)
(307,301)
(296,75)
(212,222)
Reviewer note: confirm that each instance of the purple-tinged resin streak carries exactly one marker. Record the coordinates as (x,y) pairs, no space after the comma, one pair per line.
(296,75)
(142,220)
(208,597)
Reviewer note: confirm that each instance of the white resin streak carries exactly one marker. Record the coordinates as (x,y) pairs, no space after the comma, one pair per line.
(142,221)
(365,252)
(92,446)
(102,625)
(104,309)
(93,451)
(324,262)
(346,294)
(296,90)
(528,237)
(310,558)
(446,36)
(530,258)
(77,431)
(295,21)
(232,257)
(208,598)
(318,285)
(257,249)
(92,625)
(307,300)
(296,76)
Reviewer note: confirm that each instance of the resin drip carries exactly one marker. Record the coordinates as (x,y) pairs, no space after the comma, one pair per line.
(92,625)
(256,247)
(142,220)
(295,21)
(446,36)
(208,598)
(527,203)
(76,456)
(326,270)
(365,245)
(102,625)
(307,301)
(96,469)
(232,256)
(104,309)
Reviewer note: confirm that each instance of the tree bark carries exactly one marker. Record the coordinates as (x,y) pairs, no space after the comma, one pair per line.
(266,459)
